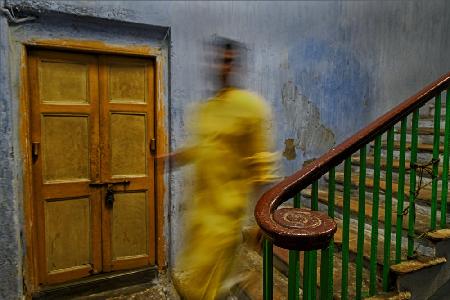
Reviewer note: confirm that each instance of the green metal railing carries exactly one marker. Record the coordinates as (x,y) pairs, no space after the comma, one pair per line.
(375,192)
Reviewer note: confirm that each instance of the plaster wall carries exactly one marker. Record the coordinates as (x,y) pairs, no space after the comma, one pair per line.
(10,246)
(327,68)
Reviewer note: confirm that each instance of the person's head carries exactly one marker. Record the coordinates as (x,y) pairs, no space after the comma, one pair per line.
(229,60)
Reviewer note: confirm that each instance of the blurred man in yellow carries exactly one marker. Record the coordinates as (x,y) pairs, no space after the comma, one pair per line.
(230,155)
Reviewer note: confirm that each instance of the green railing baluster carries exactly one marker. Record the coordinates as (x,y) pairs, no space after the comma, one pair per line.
(294,267)
(313,261)
(361,221)
(444,190)
(412,184)
(436,141)
(400,192)
(294,275)
(306,276)
(267,270)
(388,209)
(326,260)
(375,202)
(346,227)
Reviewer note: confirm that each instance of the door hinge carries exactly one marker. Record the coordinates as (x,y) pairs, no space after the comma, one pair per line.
(153,146)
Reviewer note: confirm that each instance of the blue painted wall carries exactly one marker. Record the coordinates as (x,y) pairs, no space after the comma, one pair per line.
(327,69)
(10,247)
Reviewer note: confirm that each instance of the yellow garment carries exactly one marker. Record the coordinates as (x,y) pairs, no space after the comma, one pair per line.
(230,155)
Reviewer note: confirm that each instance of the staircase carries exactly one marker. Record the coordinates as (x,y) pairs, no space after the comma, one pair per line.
(386,200)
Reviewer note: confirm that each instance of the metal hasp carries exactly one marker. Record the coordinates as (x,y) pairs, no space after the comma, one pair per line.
(109,196)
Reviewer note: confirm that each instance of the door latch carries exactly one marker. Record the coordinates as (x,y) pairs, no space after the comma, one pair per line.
(109,183)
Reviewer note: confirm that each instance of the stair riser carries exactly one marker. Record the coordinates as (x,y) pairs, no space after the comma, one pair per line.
(423,283)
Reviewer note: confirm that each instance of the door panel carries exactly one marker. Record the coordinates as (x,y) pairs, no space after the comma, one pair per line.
(69,80)
(64,133)
(68,134)
(127,101)
(128,83)
(129,224)
(128,144)
(67,226)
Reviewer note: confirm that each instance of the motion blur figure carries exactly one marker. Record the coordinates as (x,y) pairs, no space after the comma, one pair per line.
(230,153)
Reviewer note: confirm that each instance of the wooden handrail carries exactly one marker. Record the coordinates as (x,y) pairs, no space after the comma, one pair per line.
(289,187)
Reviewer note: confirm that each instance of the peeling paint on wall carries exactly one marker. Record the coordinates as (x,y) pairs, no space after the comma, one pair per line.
(312,137)
(289,149)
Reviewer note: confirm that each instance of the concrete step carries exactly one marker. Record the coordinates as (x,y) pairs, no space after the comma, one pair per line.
(282,262)
(422,220)
(425,135)
(413,265)
(428,121)
(395,165)
(392,296)
(424,277)
(420,146)
(252,288)
(424,194)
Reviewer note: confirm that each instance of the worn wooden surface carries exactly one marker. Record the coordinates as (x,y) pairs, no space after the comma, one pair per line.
(95,130)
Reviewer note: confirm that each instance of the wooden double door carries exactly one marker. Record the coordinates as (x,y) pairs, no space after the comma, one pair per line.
(92,132)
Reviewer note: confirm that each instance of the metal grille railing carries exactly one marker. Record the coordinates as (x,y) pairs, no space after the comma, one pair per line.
(392,201)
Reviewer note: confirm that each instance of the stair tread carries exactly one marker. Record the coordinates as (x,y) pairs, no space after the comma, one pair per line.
(412,265)
(370,162)
(424,193)
(353,243)
(391,296)
(420,146)
(421,224)
(252,261)
(425,131)
(283,256)
(395,164)
(439,235)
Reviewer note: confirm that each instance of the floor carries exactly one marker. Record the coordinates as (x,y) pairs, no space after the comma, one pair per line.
(160,289)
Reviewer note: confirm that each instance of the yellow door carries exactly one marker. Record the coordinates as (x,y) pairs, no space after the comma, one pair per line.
(92,124)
